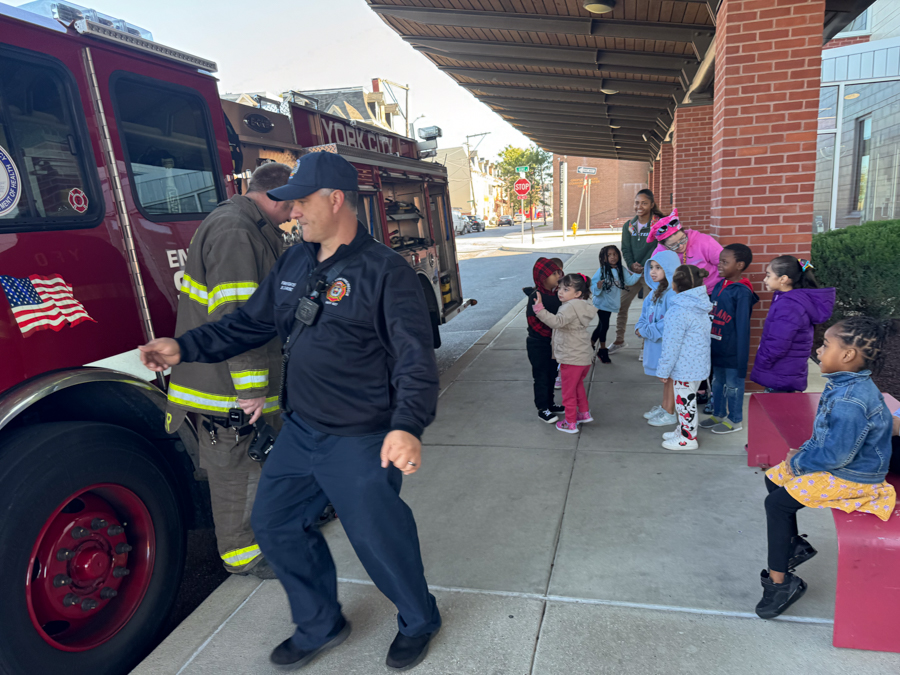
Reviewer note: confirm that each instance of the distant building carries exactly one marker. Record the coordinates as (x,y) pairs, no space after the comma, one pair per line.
(612,191)
(474,186)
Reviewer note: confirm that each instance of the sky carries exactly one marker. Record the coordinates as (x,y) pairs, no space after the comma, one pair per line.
(313,44)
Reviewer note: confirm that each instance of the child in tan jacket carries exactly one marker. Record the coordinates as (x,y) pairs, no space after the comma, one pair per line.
(572,346)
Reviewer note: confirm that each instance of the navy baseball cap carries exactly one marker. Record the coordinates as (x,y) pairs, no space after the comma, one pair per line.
(315,171)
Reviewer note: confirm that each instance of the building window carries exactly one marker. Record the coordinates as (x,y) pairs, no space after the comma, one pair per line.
(859,25)
(863,149)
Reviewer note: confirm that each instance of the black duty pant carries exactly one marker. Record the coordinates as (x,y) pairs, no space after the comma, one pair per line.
(543,370)
(305,470)
(602,327)
(781,519)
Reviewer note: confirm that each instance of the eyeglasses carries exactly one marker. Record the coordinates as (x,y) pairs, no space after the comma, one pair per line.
(674,246)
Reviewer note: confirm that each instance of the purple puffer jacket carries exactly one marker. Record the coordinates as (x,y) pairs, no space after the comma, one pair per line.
(787,339)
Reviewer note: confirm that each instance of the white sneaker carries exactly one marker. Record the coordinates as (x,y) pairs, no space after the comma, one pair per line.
(641,357)
(680,444)
(614,347)
(663,419)
(672,435)
(653,412)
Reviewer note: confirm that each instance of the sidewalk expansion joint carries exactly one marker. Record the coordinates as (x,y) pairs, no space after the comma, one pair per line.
(216,631)
(569,600)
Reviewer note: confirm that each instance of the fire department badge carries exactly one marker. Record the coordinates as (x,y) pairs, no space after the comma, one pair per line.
(337,291)
(10,188)
(78,200)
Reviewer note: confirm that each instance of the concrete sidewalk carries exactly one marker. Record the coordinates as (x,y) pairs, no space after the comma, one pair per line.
(557,554)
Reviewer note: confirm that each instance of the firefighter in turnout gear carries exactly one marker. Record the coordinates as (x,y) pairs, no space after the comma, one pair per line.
(230,254)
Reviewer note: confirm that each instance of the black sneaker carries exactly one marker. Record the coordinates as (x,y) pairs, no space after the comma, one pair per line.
(778,597)
(604,356)
(802,552)
(261,570)
(407,652)
(557,409)
(547,416)
(287,657)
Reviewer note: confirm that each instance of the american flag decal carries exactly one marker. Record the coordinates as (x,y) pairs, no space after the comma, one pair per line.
(39,303)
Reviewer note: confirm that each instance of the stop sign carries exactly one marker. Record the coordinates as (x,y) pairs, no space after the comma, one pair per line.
(522,187)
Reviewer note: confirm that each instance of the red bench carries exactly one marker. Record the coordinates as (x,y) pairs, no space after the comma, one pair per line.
(868,581)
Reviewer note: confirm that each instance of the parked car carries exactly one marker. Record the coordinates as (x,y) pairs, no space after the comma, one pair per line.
(460,222)
(505,220)
(476,223)
(520,217)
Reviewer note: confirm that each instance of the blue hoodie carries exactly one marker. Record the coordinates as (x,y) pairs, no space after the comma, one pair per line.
(685,345)
(732,306)
(653,312)
(609,298)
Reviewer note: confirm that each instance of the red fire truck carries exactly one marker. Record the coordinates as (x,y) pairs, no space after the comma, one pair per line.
(113,148)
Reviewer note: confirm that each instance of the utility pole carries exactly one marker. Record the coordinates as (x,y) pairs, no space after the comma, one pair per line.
(469,162)
(405,88)
(563,194)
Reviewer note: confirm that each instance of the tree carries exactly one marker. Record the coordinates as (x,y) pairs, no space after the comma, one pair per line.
(540,173)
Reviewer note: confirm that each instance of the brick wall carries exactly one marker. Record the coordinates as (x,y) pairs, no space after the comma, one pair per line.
(844,41)
(612,190)
(693,165)
(768,61)
(656,174)
(665,197)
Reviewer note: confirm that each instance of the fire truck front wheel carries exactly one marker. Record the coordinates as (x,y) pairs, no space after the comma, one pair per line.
(91,548)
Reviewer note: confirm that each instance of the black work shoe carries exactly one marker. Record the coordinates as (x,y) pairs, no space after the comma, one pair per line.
(326,516)
(547,416)
(778,597)
(604,356)
(557,409)
(802,552)
(286,656)
(408,652)
(261,570)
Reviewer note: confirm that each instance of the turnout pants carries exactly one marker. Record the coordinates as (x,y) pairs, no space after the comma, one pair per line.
(543,369)
(233,480)
(629,293)
(305,470)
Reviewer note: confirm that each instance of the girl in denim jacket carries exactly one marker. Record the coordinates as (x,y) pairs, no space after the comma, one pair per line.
(843,466)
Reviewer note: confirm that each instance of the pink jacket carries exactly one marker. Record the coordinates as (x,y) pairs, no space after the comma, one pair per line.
(702,251)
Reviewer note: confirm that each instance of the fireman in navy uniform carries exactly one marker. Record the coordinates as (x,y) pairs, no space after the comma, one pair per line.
(358,395)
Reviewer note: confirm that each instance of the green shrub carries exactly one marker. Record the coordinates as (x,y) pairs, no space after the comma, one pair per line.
(863,263)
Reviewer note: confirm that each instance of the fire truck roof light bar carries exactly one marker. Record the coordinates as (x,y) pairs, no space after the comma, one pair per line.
(97,30)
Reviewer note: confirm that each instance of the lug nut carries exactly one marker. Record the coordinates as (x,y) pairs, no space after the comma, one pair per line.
(71,599)
(108,593)
(115,530)
(64,554)
(79,532)
(89,604)
(122,548)
(98,523)
(61,580)
(120,572)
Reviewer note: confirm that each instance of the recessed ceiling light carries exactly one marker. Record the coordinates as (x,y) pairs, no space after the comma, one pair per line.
(599,7)
(850,97)
(609,91)
(615,126)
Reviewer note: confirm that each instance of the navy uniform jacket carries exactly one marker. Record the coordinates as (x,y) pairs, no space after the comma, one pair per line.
(366,366)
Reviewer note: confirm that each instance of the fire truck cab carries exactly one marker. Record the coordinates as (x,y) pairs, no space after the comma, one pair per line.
(113,149)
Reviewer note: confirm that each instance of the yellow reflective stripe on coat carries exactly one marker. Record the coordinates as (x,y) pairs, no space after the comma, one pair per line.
(201,400)
(236,292)
(241,556)
(194,290)
(271,405)
(250,379)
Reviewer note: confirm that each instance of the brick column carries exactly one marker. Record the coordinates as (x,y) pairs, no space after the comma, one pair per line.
(666,199)
(768,68)
(654,187)
(693,164)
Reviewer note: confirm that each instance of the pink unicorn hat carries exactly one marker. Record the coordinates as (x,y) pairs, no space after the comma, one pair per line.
(665,227)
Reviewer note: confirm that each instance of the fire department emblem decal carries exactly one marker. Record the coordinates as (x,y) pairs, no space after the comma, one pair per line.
(10,188)
(337,291)
(78,200)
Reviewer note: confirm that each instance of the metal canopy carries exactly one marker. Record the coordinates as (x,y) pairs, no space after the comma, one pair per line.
(592,85)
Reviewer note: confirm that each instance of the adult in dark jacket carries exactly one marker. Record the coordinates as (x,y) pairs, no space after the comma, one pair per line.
(359,393)
(546,275)
(798,304)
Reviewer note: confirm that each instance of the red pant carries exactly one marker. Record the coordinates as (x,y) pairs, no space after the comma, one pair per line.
(574,394)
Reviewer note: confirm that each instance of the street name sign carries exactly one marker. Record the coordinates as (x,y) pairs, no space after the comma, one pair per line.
(521,169)
(587,170)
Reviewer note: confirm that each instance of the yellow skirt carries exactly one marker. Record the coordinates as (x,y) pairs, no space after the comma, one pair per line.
(821,490)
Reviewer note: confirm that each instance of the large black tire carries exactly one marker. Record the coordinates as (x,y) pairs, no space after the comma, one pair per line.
(40,467)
